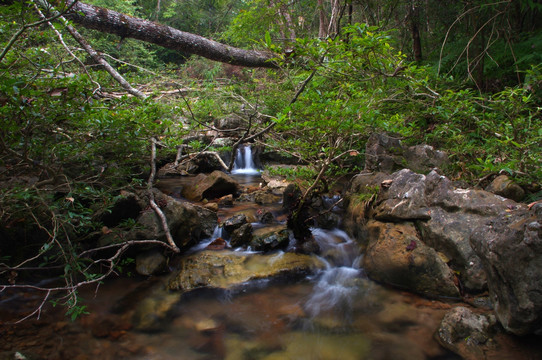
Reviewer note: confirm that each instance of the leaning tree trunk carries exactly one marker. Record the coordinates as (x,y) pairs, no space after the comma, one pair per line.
(105,20)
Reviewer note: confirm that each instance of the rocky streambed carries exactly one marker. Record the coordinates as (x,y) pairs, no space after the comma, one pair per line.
(421,269)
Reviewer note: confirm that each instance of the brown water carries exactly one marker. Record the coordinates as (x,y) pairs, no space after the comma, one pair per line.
(337,314)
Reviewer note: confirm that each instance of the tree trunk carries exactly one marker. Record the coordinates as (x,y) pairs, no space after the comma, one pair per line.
(322,29)
(126,26)
(415,31)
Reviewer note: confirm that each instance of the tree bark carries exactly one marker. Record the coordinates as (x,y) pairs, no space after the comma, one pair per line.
(415,31)
(105,20)
(323,26)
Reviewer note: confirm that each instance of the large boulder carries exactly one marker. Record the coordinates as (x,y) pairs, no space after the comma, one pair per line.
(229,269)
(444,215)
(510,247)
(396,256)
(214,185)
(187,223)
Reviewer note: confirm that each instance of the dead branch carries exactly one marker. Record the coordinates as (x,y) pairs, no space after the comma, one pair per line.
(152,202)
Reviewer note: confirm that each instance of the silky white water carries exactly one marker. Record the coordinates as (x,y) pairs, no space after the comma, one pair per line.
(244,162)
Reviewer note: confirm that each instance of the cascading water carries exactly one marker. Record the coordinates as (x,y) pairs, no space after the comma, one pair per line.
(337,285)
(244,162)
(218,233)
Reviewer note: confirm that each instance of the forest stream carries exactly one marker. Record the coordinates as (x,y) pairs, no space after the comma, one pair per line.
(337,313)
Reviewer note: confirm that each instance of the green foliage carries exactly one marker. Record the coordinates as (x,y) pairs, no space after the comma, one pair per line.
(293,173)
(366,194)
(493,133)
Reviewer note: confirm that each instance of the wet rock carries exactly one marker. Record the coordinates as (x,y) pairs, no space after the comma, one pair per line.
(214,185)
(504,186)
(226,201)
(463,332)
(228,269)
(270,238)
(234,222)
(265,216)
(510,247)
(211,206)
(391,258)
(265,198)
(328,220)
(151,262)
(217,244)
(242,236)
(187,223)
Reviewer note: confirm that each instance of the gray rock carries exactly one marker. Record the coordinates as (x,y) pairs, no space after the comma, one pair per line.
(445,215)
(242,236)
(270,238)
(404,199)
(463,331)
(423,158)
(234,222)
(510,247)
(229,123)
(386,153)
(449,233)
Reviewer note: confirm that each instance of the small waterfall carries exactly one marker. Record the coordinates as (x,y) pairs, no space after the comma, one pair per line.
(218,232)
(338,284)
(244,163)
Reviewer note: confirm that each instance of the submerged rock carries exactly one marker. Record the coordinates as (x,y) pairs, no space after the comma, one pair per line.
(151,262)
(396,256)
(228,269)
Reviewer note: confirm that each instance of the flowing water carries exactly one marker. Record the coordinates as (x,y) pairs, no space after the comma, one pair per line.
(336,314)
(244,161)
